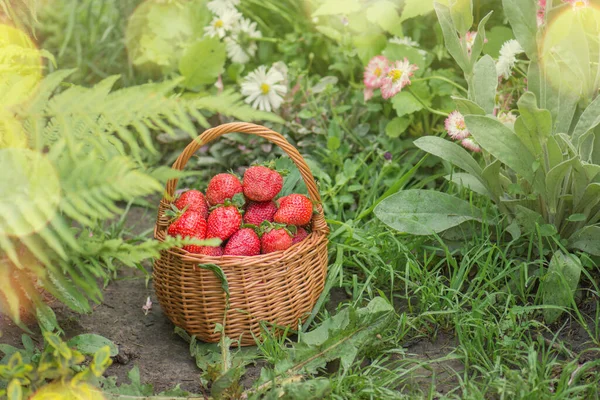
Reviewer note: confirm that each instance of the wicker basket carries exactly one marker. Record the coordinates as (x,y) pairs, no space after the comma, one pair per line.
(279,288)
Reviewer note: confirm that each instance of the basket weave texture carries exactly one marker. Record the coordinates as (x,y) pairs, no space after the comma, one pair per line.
(279,288)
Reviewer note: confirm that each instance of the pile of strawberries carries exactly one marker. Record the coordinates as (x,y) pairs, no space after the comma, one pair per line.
(244,215)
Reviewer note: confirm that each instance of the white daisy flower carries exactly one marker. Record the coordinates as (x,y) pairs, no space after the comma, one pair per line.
(507,118)
(240,46)
(220,6)
(263,88)
(456,126)
(508,57)
(406,40)
(397,77)
(222,23)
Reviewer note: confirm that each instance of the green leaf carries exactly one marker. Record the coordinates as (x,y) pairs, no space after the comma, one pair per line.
(587,240)
(334,7)
(415,8)
(587,122)
(450,152)
(453,45)
(522,16)
(424,212)
(342,337)
(468,181)
(220,276)
(90,343)
(537,123)
(397,126)
(14,391)
(554,183)
(369,45)
(203,62)
(466,107)
(405,104)
(479,39)
(485,83)
(462,15)
(384,14)
(560,284)
(398,52)
(493,136)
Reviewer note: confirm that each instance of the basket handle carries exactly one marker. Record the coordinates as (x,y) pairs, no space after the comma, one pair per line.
(211,134)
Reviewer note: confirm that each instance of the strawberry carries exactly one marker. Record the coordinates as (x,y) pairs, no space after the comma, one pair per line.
(194,200)
(256,213)
(300,235)
(221,187)
(223,222)
(211,251)
(275,240)
(295,209)
(244,242)
(190,224)
(262,183)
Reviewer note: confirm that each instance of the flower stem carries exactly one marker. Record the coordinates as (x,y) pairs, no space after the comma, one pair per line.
(425,106)
(441,78)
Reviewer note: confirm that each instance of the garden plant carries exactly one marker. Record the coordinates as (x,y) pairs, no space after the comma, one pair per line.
(403,201)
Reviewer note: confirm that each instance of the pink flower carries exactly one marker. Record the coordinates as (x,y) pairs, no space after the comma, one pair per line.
(470,144)
(578,3)
(375,71)
(470,40)
(397,77)
(456,127)
(367,94)
(541,12)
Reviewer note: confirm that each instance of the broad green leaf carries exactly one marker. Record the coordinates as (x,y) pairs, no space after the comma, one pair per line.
(330,32)
(466,106)
(522,15)
(405,104)
(90,343)
(14,391)
(342,337)
(493,180)
(369,45)
(385,14)
(485,83)
(589,199)
(462,15)
(534,126)
(101,360)
(450,152)
(398,52)
(453,45)
(424,212)
(560,284)
(203,62)
(397,126)
(587,240)
(415,8)
(493,136)
(554,183)
(334,7)
(468,181)
(528,219)
(587,122)
(479,39)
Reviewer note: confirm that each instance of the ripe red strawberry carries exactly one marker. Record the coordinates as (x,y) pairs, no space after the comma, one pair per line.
(300,235)
(262,183)
(275,240)
(221,187)
(295,209)
(194,200)
(223,222)
(211,251)
(190,224)
(256,212)
(244,242)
